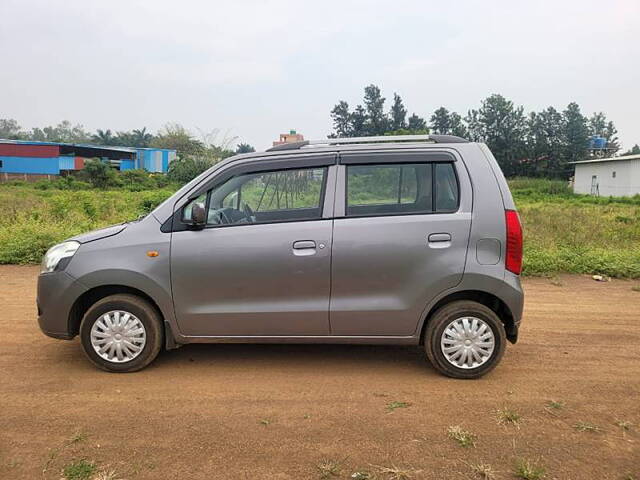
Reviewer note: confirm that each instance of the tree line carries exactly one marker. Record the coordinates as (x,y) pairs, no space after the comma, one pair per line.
(536,144)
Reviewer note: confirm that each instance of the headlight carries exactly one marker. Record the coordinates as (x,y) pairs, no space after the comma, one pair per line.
(57,253)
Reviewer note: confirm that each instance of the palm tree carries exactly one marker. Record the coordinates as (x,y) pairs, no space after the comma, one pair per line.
(141,138)
(103,137)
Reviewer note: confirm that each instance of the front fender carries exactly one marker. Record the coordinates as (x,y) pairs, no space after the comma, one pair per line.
(127,278)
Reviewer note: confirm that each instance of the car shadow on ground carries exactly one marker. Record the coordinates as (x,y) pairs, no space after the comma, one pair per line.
(297,356)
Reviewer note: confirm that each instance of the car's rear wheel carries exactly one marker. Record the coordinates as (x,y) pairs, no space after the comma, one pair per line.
(464,339)
(121,333)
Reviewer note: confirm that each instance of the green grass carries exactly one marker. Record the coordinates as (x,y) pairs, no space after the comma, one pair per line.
(80,470)
(587,427)
(555,405)
(563,232)
(483,470)
(394,405)
(571,233)
(463,437)
(623,424)
(32,220)
(329,468)
(528,470)
(506,416)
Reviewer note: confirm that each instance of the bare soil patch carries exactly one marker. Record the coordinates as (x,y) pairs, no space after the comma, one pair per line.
(303,411)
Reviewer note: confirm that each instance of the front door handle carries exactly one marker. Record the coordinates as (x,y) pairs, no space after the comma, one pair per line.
(304,244)
(439,237)
(303,248)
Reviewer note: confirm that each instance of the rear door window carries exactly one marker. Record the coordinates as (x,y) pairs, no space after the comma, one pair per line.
(446,188)
(401,189)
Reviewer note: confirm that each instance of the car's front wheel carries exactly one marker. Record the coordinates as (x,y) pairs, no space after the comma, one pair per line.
(121,333)
(464,339)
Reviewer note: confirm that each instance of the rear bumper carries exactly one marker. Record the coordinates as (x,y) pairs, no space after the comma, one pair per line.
(57,292)
(513,296)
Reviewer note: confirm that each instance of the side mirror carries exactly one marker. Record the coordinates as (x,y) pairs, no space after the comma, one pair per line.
(198,215)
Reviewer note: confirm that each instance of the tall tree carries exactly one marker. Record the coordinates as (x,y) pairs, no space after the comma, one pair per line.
(544,144)
(440,121)
(63,132)
(244,148)
(575,133)
(342,120)
(10,129)
(104,137)
(635,150)
(444,122)
(599,126)
(358,121)
(417,124)
(611,134)
(457,126)
(502,126)
(474,126)
(141,138)
(398,114)
(176,137)
(377,121)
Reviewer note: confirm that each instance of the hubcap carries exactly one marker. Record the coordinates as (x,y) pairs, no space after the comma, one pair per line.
(118,336)
(467,342)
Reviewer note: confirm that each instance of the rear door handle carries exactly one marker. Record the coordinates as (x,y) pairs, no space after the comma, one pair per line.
(439,237)
(304,244)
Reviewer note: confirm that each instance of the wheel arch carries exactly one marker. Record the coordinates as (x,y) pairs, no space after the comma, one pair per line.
(490,300)
(95,294)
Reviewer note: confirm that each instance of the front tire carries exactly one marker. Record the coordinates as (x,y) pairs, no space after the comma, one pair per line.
(464,339)
(121,333)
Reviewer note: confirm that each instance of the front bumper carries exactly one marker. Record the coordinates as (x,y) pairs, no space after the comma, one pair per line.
(57,292)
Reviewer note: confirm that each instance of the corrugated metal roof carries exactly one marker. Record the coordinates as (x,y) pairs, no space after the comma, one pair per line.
(610,159)
(83,145)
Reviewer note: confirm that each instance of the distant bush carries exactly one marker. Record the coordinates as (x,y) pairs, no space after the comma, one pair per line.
(526,185)
(140,180)
(99,174)
(183,170)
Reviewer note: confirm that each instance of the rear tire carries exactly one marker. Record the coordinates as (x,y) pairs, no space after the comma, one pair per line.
(472,336)
(129,324)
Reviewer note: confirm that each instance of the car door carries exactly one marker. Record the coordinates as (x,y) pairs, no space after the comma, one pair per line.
(400,238)
(261,266)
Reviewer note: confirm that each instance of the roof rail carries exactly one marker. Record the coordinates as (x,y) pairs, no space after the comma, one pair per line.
(380,139)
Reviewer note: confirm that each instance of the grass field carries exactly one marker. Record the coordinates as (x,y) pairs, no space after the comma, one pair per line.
(563,232)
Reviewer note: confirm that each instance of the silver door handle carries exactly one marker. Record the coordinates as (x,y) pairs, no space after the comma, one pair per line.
(439,237)
(304,244)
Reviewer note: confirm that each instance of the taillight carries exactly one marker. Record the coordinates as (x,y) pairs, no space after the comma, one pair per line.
(513,260)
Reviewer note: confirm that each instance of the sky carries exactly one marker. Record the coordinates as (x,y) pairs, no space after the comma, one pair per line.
(255,69)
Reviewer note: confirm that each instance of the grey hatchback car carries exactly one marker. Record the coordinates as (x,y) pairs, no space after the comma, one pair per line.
(409,240)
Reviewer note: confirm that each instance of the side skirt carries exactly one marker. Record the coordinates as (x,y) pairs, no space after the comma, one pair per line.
(371,340)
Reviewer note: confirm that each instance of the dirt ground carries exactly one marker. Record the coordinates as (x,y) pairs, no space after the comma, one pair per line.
(280,411)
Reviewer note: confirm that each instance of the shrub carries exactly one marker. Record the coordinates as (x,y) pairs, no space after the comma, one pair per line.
(184,169)
(99,174)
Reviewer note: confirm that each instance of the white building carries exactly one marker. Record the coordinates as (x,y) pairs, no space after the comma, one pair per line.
(615,176)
